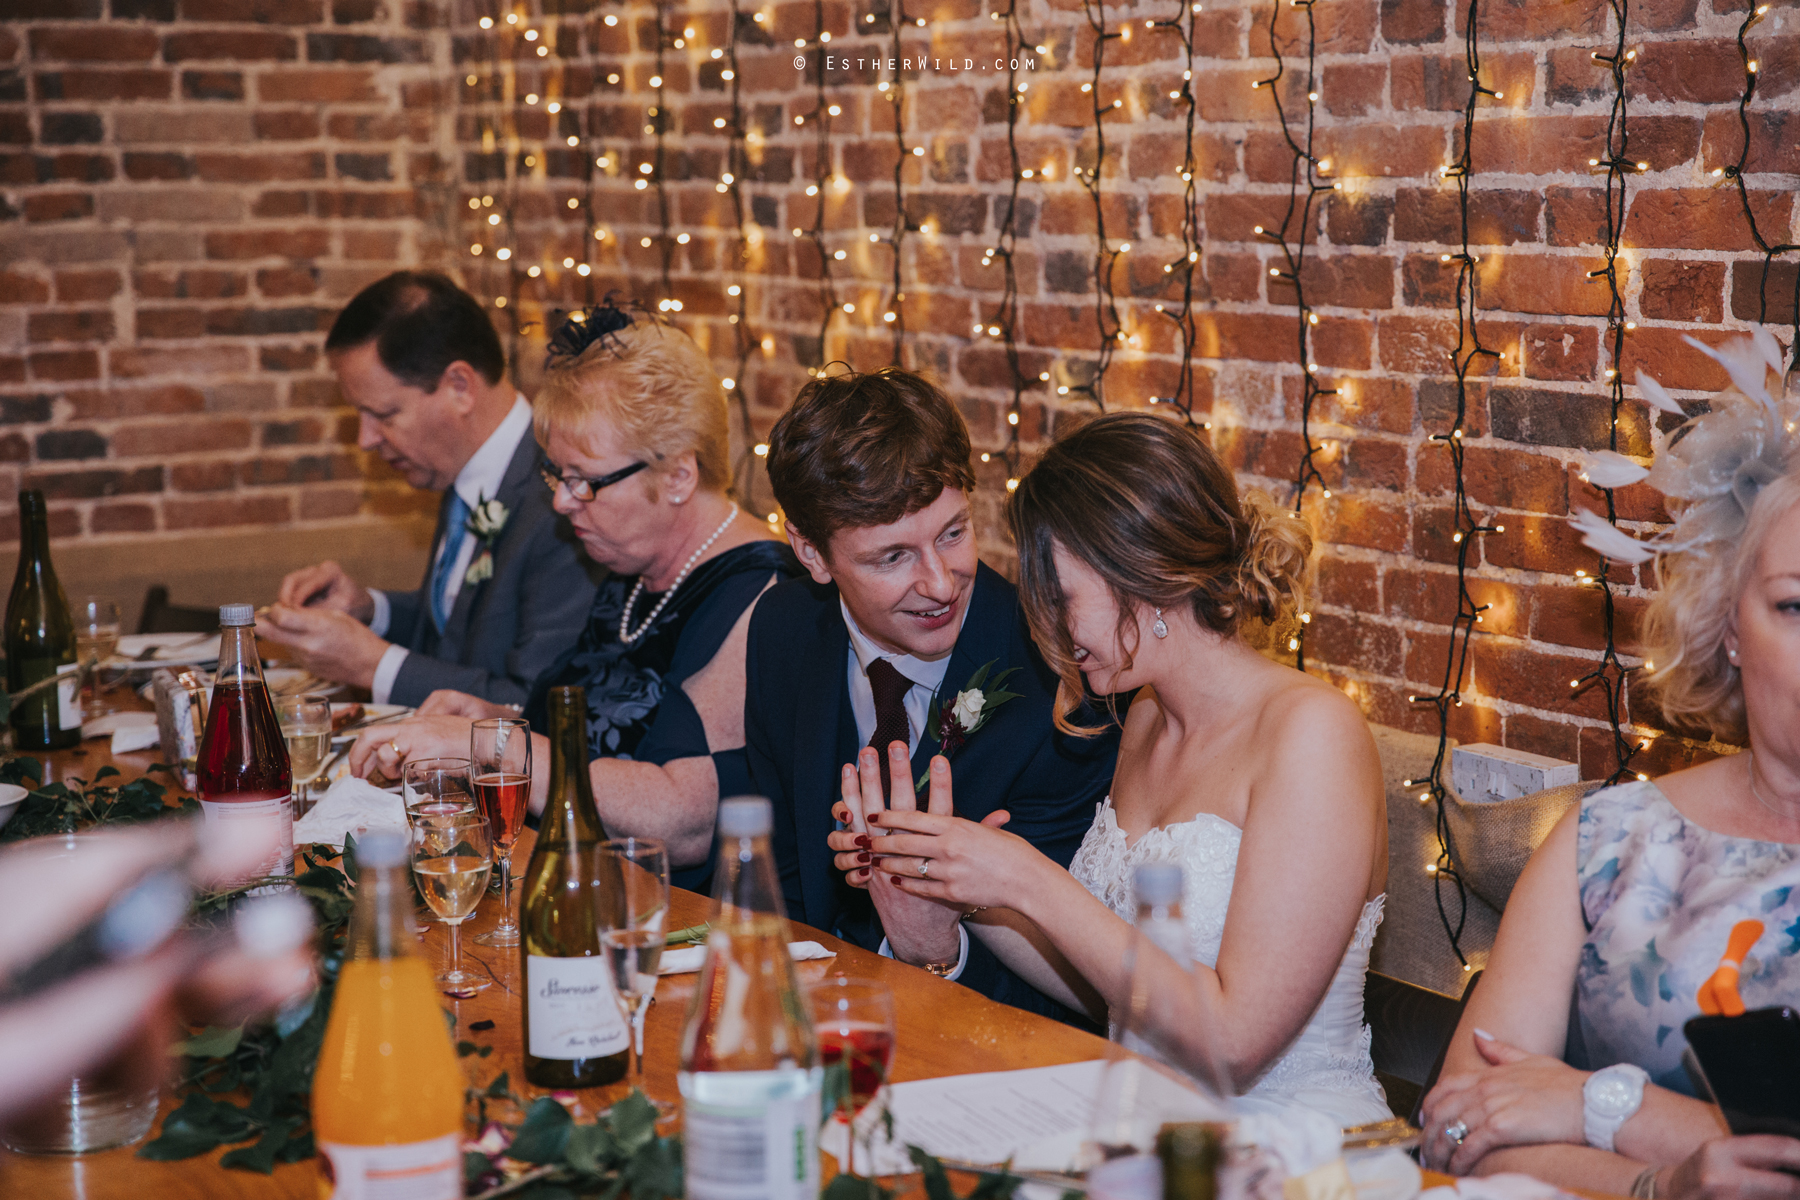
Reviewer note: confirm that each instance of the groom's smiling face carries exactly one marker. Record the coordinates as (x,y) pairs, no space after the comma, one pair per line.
(908,583)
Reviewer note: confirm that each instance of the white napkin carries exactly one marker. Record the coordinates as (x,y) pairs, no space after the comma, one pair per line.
(350,805)
(689,958)
(130,730)
(1508,1186)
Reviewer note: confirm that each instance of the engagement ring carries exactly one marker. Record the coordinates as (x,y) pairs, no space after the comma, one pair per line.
(924,868)
(1456,1131)
(396,746)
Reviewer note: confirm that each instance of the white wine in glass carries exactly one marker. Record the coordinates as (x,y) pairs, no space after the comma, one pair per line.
(452,854)
(305,722)
(633,916)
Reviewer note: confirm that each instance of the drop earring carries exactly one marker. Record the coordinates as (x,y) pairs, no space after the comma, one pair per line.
(1160,628)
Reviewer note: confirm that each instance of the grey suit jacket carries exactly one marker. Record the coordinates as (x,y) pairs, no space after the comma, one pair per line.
(506,630)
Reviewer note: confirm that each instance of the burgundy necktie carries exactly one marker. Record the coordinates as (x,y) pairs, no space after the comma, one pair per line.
(890,688)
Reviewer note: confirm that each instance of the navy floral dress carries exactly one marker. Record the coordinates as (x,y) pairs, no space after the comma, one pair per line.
(636,706)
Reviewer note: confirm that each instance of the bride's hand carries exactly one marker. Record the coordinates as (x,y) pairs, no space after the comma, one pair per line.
(935,856)
(860,792)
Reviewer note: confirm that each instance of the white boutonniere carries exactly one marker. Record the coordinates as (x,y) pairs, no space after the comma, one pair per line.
(968,711)
(486,522)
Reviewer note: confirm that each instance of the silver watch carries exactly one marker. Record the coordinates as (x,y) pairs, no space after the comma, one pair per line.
(1608,1099)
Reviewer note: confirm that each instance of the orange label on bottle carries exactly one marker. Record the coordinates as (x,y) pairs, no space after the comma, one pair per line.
(410,1171)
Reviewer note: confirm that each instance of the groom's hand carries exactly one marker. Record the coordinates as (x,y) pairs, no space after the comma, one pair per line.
(918,930)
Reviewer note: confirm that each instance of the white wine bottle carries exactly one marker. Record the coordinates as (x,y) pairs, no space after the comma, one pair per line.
(750,1073)
(575,1034)
(40,639)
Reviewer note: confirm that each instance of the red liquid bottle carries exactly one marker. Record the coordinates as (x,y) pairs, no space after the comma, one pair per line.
(243,771)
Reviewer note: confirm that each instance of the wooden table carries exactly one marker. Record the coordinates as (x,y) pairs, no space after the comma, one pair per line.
(944,1029)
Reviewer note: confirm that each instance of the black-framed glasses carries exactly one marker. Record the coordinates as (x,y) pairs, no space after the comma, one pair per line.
(581,487)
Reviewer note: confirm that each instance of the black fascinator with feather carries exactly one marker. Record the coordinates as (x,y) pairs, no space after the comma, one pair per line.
(584,327)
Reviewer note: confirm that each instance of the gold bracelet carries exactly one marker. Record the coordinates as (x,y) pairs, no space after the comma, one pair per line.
(1644,1186)
(967,913)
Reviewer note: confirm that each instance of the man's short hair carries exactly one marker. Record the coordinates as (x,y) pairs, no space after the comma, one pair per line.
(420,322)
(865,450)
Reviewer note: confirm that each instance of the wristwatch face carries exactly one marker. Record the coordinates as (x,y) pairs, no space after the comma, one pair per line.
(1610,1095)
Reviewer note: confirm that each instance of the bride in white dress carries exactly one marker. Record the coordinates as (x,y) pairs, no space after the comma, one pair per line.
(1137,562)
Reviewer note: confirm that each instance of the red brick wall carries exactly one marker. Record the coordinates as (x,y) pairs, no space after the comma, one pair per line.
(324,165)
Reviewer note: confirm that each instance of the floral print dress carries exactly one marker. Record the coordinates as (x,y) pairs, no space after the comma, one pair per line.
(1659,895)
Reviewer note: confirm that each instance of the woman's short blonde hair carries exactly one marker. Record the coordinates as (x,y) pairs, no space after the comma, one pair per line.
(1693,610)
(656,388)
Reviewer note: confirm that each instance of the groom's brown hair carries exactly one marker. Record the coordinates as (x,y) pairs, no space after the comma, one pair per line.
(858,450)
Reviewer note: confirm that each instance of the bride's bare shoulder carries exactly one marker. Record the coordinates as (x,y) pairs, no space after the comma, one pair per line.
(1303,716)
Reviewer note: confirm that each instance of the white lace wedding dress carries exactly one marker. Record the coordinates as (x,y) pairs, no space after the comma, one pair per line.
(1327,1067)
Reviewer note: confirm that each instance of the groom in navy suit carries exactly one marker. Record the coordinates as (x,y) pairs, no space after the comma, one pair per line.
(874,473)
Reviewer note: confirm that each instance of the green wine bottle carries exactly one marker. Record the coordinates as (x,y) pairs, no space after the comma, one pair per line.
(40,639)
(575,1033)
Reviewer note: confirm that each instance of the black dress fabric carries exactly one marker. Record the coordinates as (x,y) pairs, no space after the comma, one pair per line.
(636,708)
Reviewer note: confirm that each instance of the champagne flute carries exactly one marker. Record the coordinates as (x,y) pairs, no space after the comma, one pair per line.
(96,640)
(435,786)
(500,769)
(452,853)
(854,1019)
(305,721)
(635,913)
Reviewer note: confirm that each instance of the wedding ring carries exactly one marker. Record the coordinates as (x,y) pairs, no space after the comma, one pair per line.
(396,746)
(1456,1131)
(924,868)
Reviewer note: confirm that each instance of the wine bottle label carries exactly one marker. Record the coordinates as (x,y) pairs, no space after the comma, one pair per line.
(279,812)
(408,1171)
(574,1009)
(68,696)
(766,1150)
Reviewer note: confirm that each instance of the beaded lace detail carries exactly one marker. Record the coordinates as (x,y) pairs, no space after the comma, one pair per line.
(1328,1064)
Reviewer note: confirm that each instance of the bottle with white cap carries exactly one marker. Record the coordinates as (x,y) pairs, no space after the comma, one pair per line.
(750,1075)
(243,773)
(1157,889)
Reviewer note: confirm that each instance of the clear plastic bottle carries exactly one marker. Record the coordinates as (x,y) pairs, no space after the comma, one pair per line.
(243,771)
(387,1101)
(1157,888)
(750,1074)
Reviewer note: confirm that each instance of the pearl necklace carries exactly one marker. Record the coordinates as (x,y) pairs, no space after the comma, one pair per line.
(626,634)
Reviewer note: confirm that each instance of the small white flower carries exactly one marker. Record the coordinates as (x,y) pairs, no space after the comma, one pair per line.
(482,568)
(967,709)
(488,519)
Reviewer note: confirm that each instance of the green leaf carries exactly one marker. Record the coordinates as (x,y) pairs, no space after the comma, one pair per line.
(349,856)
(500,1089)
(633,1122)
(261,1156)
(177,1144)
(211,1042)
(592,1149)
(464,1049)
(654,1172)
(937,1183)
(544,1135)
(201,1124)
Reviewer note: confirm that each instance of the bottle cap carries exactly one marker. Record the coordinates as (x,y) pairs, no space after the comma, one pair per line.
(237,614)
(1157,883)
(381,849)
(746,816)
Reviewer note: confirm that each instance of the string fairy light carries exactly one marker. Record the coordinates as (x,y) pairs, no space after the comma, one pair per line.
(1610,672)
(743,340)
(897,96)
(1735,172)
(1467,527)
(1004,323)
(822,174)
(659,126)
(1108,327)
(1189,263)
(1304,188)
(495,230)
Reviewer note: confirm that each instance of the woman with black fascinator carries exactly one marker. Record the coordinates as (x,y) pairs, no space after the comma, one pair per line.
(633,424)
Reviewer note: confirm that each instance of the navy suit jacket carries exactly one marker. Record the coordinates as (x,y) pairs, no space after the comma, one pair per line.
(799,731)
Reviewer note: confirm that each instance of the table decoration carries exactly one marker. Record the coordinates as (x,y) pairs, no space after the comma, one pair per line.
(76,804)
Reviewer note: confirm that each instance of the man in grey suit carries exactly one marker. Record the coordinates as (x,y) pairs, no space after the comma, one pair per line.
(506,590)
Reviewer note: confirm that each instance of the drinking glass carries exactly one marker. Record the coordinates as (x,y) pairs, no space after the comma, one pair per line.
(437,785)
(452,853)
(96,640)
(632,924)
(854,1019)
(305,721)
(500,768)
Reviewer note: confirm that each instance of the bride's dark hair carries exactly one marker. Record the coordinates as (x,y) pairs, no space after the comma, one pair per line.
(1149,508)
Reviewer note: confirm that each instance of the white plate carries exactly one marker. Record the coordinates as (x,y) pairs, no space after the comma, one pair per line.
(11,796)
(184,649)
(282,680)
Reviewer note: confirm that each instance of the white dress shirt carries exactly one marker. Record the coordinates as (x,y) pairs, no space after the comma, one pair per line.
(479,480)
(927,677)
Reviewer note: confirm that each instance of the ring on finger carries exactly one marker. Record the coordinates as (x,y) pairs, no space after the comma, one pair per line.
(1456,1131)
(924,868)
(396,746)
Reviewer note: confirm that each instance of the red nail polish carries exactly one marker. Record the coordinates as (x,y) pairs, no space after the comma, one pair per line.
(863,858)
(874,818)
(862,840)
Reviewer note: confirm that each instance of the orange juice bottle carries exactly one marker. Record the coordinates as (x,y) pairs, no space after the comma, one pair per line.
(387,1101)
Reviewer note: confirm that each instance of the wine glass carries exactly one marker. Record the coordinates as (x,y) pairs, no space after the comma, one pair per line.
(500,768)
(452,853)
(437,785)
(96,640)
(854,1019)
(305,722)
(632,923)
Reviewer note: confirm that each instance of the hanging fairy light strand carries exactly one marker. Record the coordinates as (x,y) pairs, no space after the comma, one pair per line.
(1305,186)
(1188,264)
(1735,172)
(1467,527)
(731,182)
(897,95)
(1004,323)
(1108,327)
(659,127)
(1610,672)
(822,178)
(495,209)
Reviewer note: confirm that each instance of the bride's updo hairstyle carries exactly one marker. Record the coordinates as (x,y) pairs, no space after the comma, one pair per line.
(1149,508)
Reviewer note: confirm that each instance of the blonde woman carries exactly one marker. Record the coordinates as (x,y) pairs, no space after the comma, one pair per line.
(633,425)
(1631,902)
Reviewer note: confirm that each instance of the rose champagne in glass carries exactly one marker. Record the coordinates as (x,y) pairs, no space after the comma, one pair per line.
(500,769)
(854,1019)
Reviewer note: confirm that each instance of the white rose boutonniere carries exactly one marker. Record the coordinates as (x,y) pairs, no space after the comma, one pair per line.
(968,711)
(486,522)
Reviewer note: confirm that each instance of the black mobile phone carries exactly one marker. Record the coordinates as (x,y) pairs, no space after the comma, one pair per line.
(1751,1064)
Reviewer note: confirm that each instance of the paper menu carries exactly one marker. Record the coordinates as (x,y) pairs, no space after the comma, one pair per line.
(1038,1117)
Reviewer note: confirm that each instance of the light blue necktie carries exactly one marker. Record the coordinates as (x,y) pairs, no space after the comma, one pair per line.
(454,533)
